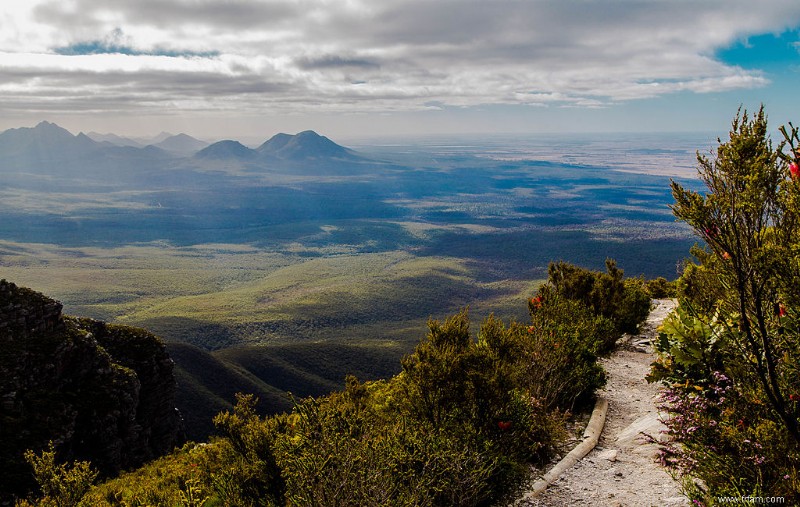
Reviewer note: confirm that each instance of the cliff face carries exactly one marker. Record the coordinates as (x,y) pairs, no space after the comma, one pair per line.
(102,393)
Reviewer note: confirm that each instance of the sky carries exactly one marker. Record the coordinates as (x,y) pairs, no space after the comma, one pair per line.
(358,68)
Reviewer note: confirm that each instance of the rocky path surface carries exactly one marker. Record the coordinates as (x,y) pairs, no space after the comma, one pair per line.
(622,470)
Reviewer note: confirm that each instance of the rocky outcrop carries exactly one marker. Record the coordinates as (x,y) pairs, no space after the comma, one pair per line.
(100,392)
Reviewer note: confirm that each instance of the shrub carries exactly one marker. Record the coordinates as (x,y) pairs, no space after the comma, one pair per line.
(730,354)
(478,392)
(338,453)
(661,288)
(251,471)
(62,485)
(625,302)
(561,346)
(181,478)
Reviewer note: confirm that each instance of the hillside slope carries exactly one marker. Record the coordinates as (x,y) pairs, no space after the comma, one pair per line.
(208,381)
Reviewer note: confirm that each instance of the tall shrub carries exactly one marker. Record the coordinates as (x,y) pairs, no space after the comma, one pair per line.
(730,354)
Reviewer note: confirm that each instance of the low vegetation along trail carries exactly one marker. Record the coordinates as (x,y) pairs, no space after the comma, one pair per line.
(623,469)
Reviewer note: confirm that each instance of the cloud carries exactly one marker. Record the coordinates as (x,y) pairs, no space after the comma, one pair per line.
(335,62)
(360,55)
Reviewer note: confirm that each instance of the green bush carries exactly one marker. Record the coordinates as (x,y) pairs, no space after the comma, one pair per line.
(251,470)
(661,288)
(561,347)
(340,451)
(623,301)
(478,392)
(184,477)
(61,485)
(721,430)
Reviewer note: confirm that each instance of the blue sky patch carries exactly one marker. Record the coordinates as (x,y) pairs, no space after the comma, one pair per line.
(98,47)
(766,51)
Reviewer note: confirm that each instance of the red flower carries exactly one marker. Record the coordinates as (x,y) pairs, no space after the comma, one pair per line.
(726,256)
(504,425)
(781,311)
(531,329)
(794,397)
(794,169)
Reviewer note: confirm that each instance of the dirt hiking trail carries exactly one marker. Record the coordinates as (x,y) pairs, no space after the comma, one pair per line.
(622,470)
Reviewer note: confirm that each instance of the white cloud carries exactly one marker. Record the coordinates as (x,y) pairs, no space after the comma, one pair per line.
(354,55)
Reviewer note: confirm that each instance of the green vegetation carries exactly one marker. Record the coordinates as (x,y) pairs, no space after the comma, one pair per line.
(62,485)
(458,425)
(264,283)
(661,288)
(207,382)
(214,296)
(262,322)
(730,353)
(625,302)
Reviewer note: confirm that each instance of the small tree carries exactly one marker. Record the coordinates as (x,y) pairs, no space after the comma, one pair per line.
(749,220)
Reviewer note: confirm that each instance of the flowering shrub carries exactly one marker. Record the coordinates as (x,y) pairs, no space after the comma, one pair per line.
(730,353)
(719,435)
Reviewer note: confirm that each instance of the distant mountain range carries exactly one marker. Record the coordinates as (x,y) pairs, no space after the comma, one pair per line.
(304,146)
(52,151)
(180,144)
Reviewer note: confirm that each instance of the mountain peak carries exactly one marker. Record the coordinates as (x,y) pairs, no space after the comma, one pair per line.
(225,149)
(181,144)
(47,127)
(45,124)
(43,144)
(304,145)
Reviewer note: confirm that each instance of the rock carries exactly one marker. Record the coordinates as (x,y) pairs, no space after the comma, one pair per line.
(648,424)
(101,393)
(608,454)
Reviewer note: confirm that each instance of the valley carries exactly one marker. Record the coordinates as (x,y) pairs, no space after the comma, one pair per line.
(286,266)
